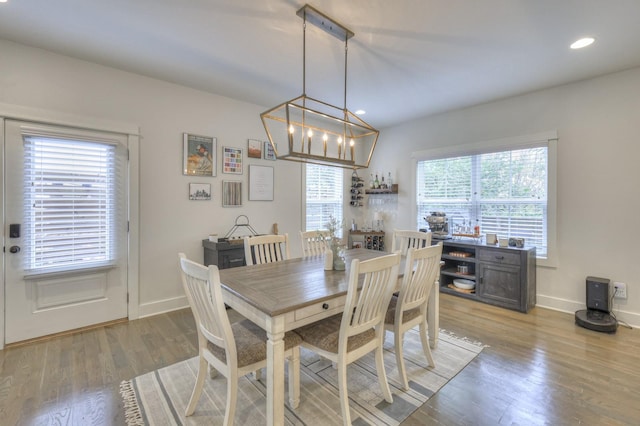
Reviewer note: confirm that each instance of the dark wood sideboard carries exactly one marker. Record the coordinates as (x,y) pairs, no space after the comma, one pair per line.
(503,276)
(223,254)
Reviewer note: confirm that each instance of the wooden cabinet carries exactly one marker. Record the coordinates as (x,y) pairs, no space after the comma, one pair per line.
(503,276)
(372,240)
(223,254)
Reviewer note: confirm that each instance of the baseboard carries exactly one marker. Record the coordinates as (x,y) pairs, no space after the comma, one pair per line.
(162,306)
(571,306)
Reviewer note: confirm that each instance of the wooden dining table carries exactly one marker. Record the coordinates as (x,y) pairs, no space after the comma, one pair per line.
(282,296)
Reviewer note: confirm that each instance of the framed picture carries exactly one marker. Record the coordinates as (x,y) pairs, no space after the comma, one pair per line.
(232,160)
(231,193)
(269,153)
(254,148)
(199,155)
(260,183)
(199,191)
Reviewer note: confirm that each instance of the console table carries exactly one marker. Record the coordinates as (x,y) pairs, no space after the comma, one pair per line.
(503,276)
(223,254)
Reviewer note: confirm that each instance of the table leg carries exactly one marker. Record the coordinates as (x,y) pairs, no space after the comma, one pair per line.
(433,315)
(275,377)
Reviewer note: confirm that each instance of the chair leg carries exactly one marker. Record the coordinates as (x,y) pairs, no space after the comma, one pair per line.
(398,337)
(232,396)
(382,375)
(425,343)
(197,388)
(294,378)
(344,397)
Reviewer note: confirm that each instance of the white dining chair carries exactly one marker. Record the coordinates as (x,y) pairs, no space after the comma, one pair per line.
(346,337)
(314,243)
(233,350)
(266,249)
(409,307)
(403,240)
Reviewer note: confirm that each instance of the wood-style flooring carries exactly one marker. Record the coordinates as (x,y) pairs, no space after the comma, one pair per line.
(538,368)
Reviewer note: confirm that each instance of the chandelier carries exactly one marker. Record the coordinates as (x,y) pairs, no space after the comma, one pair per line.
(308,130)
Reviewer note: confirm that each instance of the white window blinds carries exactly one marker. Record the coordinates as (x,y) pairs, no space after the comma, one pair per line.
(503,192)
(324,188)
(70,203)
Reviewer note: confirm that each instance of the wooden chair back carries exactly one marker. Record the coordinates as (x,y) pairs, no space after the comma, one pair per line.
(266,249)
(204,292)
(403,240)
(314,243)
(366,306)
(421,271)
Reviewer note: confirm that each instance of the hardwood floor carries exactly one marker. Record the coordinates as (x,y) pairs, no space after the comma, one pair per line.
(539,368)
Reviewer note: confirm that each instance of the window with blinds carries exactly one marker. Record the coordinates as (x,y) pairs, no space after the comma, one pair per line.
(503,192)
(70,203)
(324,189)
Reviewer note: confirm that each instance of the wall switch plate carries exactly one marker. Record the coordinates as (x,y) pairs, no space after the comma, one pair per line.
(621,292)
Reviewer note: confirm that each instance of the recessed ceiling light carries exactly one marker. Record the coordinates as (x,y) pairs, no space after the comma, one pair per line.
(361,112)
(583,42)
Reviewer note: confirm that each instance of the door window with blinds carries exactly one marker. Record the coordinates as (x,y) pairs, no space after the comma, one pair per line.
(324,189)
(70,195)
(504,192)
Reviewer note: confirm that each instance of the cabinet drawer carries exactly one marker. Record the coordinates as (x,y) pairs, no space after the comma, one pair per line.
(322,308)
(499,256)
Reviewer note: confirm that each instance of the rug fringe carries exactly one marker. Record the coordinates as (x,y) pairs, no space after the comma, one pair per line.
(132,413)
(464,339)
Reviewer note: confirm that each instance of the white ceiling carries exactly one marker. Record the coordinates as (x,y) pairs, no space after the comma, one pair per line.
(409,58)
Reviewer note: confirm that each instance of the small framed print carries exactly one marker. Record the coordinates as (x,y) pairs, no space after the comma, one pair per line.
(260,183)
(198,155)
(254,149)
(199,191)
(269,153)
(232,160)
(231,193)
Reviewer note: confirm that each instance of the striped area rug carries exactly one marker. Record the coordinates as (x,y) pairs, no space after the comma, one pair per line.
(160,397)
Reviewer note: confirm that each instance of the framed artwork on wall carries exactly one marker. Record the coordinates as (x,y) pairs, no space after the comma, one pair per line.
(254,149)
(231,193)
(232,160)
(198,155)
(260,183)
(269,153)
(199,191)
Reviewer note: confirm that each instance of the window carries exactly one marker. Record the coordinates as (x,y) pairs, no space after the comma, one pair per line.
(504,192)
(70,198)
(324,188)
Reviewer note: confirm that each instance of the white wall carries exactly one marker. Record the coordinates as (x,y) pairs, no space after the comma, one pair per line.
(169,222)
(598,125)
(597,121)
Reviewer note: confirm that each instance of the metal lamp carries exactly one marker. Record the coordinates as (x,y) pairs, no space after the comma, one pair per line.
(308,130)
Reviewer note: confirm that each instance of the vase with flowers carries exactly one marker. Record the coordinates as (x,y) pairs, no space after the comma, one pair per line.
(336,243)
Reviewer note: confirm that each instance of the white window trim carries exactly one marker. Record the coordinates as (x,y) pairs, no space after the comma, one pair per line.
(524,141)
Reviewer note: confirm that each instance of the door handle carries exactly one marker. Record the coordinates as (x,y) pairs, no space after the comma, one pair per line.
(14,249)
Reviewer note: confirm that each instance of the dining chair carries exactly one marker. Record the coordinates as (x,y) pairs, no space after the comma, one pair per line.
(266,249)
(314,243)
(231,349)
(359,330)
(409,307)
(403,240)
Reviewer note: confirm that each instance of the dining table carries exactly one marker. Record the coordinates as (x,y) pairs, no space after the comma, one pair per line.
(285,295)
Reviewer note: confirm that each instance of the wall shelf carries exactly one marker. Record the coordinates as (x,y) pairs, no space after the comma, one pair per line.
(392,190)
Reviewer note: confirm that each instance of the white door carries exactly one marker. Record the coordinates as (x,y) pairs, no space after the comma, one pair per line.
(66,218)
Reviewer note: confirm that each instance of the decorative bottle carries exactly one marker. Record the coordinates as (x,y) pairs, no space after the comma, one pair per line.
(376,183)
(389,181)
(371,182)
(328,259)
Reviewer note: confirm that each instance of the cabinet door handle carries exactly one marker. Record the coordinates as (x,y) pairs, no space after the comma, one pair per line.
(325,306)
(500,257)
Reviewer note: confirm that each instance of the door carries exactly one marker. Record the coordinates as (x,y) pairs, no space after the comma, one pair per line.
(66,218)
